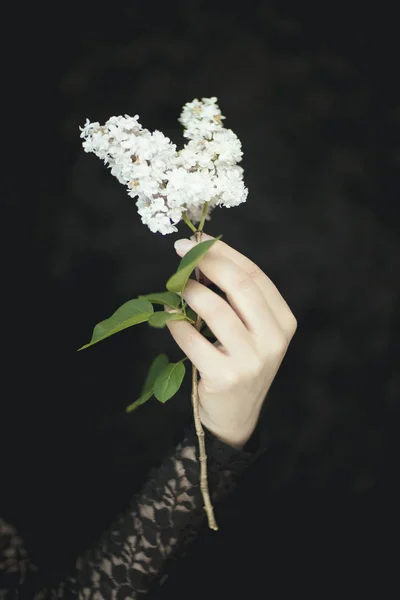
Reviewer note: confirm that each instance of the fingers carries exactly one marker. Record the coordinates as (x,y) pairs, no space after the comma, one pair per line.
(273,297)
(220,318)
(244,296)
(205,356)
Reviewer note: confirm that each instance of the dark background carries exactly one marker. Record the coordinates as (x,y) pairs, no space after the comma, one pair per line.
(312,94)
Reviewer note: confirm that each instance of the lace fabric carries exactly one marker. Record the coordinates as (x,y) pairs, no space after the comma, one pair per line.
(160,523)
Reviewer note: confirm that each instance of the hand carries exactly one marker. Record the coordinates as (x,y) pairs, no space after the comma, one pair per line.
(254,329)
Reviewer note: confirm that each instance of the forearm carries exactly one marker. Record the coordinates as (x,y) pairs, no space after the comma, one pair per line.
(160,522)
(163,517)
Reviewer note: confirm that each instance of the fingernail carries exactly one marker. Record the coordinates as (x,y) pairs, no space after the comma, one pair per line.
(184,245)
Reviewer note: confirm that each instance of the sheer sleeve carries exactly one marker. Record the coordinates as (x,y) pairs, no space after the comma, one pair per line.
(162,519)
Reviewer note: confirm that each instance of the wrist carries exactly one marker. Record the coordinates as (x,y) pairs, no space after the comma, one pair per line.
(234,438)
(236,435)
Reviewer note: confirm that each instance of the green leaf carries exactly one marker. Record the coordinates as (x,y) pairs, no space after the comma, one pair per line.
(169,381)
(131,313)
(141,400)
(167,298)
(191,314)
(157,366)
(160,318)
(189,262)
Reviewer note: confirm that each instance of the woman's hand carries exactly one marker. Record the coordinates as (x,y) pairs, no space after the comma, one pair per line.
(254,329)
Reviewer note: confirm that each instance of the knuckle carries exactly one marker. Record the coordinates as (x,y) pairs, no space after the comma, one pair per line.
(212,307)
(278,343)
(255,272)
(244,281)
(292,323)
(231,377)
(245,372)
(255,369)
(191,340)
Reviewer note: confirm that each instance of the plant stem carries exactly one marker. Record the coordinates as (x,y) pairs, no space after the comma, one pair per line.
(188,222)
(203,216)
(184,306)
(208,507)
(202,221)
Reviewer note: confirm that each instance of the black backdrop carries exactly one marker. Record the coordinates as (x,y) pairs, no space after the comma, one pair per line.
(312,94)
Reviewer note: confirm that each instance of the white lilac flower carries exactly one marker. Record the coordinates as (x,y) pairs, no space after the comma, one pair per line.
(167,182)
(201,118)
(196,153)
(227,146)
(231,190)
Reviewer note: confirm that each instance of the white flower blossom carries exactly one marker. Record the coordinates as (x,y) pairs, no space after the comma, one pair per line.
(201,118)
(167,182)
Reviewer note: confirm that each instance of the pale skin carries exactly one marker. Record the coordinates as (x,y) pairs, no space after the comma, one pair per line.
(254,328)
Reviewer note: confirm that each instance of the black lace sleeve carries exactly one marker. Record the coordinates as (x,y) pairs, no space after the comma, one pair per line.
(131,555)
